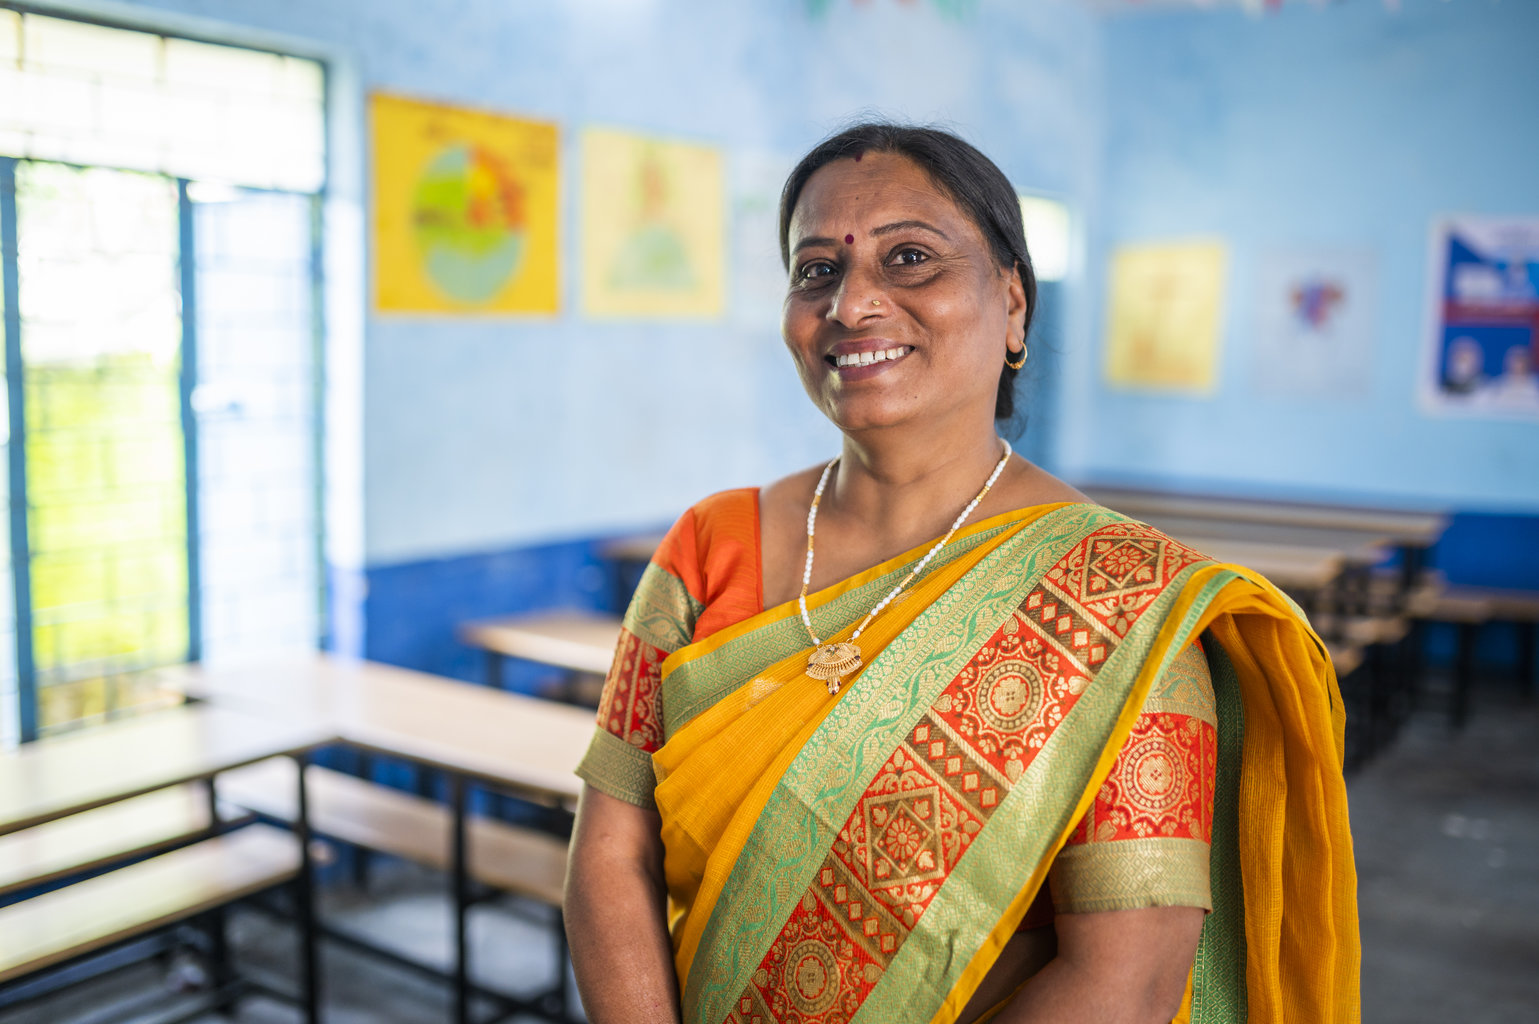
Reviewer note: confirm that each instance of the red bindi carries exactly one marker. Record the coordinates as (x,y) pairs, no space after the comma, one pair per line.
(849,239)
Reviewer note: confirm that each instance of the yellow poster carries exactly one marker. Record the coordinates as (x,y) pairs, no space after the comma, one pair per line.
(652,227)
(465,210)
(1162,318)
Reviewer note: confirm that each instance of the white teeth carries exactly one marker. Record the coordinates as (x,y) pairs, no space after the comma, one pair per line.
(867,358)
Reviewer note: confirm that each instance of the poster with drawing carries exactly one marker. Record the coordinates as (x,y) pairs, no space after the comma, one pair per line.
(1483,318)
(1315,322)
(652,227)
(1163,316)
(465,210)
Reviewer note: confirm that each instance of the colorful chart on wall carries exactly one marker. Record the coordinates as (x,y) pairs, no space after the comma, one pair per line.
(652,227)
(1315,322)
(1162,318)
(1483,317)
(465,210)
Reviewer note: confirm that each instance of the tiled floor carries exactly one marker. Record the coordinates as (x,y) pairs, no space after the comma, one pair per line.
(1447,842)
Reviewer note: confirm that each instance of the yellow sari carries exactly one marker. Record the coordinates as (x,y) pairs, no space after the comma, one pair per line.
(995,698)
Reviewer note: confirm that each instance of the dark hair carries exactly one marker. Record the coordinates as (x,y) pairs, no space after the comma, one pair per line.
(972,181)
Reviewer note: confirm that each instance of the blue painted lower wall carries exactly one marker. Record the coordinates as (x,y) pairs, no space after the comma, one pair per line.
(1490,550)
(411,610)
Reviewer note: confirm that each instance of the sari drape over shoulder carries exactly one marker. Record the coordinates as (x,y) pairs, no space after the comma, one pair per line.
(1034,707)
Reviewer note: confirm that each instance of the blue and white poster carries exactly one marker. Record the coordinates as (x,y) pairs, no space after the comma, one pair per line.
(1483,334)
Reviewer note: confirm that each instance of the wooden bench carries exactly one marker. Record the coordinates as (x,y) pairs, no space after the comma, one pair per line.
(88,916)
(1363,630)
(91,839)
(500,855)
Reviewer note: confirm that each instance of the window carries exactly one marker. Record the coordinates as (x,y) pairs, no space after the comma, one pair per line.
(159,205)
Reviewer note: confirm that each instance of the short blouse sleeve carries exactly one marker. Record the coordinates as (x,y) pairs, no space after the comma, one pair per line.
(660,620)
(1145,840)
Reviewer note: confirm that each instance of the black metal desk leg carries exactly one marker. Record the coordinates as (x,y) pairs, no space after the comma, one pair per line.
(304,904)
(361,856)
(461,882)
(1528,639)
(1464,674)
(217,920)
(1410,568)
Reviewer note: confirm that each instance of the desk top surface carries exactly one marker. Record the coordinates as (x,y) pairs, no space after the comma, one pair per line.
(577,640)
(502,738)
(1355,542)
(61,775)
(1399,525)
(1287,565)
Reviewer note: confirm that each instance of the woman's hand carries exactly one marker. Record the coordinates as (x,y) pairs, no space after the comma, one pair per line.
(616,914)
(1114,967)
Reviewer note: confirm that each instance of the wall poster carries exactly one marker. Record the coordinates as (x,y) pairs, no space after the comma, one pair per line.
(1315,322)
(1483,319)
(1163,315)
(653,227)
(465,210)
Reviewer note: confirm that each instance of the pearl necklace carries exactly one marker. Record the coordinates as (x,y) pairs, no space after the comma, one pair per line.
(832,662)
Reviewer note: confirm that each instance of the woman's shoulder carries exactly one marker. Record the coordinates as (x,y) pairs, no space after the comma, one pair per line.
(713,551)
(792,491)
(725,517)
(1031,485)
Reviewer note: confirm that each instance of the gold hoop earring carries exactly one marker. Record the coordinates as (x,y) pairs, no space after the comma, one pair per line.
(1019,362)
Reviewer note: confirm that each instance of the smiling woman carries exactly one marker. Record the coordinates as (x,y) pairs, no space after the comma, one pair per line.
(880,744)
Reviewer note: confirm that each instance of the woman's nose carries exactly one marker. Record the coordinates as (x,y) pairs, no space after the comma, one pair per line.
(857,300)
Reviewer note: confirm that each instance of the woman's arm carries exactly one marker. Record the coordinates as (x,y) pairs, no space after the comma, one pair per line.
(1113,967)
(616,914)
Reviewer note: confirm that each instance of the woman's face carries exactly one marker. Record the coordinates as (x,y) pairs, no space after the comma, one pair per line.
(891,278)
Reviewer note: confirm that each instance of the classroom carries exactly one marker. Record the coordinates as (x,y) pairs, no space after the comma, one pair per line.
(419,417)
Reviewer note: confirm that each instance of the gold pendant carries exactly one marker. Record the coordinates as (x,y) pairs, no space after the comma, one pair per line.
(832,662)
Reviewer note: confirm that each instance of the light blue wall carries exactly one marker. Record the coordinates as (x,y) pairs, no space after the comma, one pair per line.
(481,435)
(1343,125)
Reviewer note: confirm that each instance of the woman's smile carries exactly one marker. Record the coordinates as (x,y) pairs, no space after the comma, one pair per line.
(858,361)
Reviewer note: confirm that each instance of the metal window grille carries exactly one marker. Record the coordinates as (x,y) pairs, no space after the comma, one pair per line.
(161,331)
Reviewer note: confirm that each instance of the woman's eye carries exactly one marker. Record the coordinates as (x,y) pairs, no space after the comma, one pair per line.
(814,271)
(909,257)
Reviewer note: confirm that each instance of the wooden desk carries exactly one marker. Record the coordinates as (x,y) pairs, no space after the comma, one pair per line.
(1358,544)
(578,641)
(1289,566)
(475,734)
(499,738)
(1404,527)
(55,777)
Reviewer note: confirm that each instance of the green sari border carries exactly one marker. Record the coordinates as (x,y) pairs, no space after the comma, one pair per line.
(663,612)
(1218,973)
(827,777)
(1032,821)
